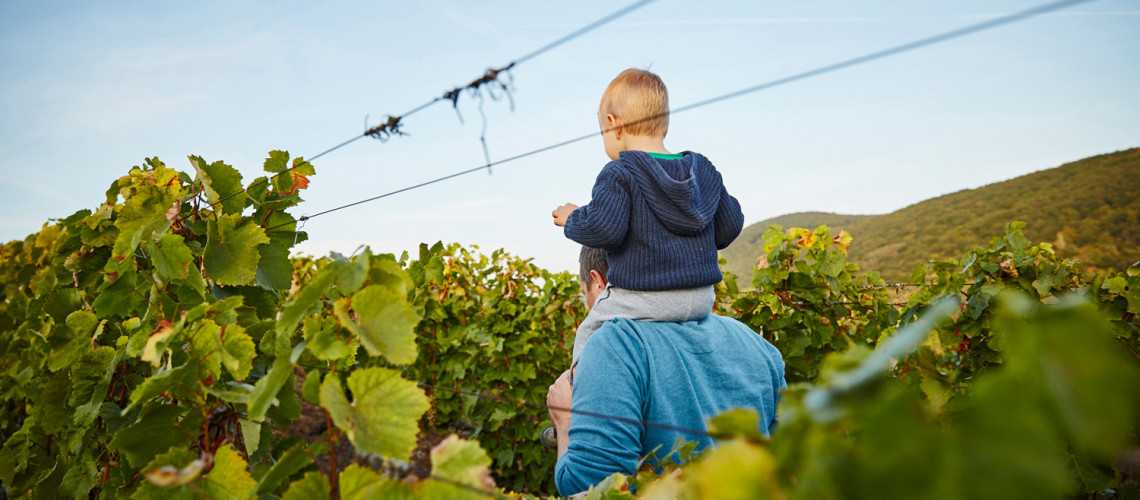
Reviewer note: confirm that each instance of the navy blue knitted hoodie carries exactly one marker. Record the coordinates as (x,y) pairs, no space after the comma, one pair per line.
(660,221)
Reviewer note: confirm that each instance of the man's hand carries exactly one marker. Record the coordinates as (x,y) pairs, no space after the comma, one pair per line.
(558,401)
(558,404)
(561,213)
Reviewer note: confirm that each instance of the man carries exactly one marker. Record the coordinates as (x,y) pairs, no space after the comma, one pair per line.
(675,374)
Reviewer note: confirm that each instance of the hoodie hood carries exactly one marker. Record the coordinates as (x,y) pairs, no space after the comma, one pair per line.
(684,196)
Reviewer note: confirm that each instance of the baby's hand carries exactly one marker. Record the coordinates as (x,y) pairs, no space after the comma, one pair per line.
(561,213)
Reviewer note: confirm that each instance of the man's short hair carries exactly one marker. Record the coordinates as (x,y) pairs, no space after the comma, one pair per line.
(640,99)
(591,259)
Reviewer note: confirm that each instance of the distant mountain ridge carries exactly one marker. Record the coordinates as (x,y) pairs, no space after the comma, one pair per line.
(1088,209)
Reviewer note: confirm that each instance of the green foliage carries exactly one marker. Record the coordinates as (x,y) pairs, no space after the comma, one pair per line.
(382,417)
(809,300)
(1088,210)
(1066,400)
(493,324)
(150,347)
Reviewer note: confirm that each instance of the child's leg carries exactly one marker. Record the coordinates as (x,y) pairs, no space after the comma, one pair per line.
(688,304)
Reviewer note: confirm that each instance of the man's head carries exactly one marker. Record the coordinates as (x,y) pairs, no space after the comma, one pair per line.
(592,268)
(635,103)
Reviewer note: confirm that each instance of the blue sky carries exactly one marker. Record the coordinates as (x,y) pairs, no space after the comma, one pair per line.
(89,89)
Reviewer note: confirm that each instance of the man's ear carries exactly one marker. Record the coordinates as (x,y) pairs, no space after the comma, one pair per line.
(597,280)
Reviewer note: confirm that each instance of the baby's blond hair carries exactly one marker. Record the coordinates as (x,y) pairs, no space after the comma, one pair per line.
(640,100)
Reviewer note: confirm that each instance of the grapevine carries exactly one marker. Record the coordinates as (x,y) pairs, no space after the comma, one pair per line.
(165,344)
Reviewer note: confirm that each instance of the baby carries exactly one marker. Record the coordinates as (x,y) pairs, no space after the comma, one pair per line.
(659,216)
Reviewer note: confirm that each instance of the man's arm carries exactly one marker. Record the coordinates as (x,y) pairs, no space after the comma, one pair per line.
(610,382)
(558,399)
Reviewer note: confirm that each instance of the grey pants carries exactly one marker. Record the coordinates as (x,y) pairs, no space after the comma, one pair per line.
(688,304)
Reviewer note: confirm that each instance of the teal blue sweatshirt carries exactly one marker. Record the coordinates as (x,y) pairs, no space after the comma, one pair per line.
(677,374)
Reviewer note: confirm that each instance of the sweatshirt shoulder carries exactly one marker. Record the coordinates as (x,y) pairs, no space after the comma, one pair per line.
(614,171)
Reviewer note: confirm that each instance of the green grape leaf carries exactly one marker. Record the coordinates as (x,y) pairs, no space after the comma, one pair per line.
(229,477)
(231,254)
(288,406)
(299,306)
(1092,475)
(1133,295)
(206,349)
(170,256)
(117,297)
(178,475)
(303,167)
(238,351)
(834,265)
(386,323)
(91,377)
(386,271)
(274,270)
(433,271)
(221,181)
(311,486)
(311,389)
(351,273)
(160,383)
(142,216)
(383,416)
(359,483)
(53,410)
(251,433)
(320,341)
(230,391)
(265,390)
(294,459)
(277,162)
(1014,236)
(1044,284)
(462,461)
(737,422)
(155,432)
(98,230)
(80,479)
(66,349)
(1116,284)
(61,302)
(719,475)
(82,323)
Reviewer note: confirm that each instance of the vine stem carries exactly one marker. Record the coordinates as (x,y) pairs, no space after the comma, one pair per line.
(334,436)
(1131,351)
(159,309)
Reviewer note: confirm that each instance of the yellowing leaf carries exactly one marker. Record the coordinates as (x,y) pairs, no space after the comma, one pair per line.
(162,332)
(720,475)
(463,461)
(229,477)
(168,476)
(842,241)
